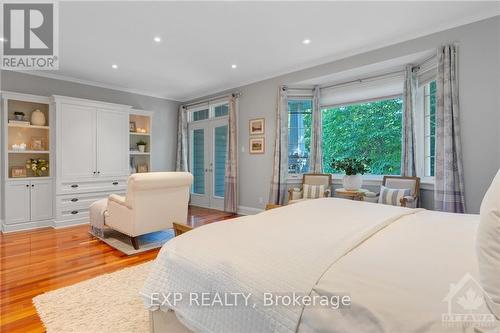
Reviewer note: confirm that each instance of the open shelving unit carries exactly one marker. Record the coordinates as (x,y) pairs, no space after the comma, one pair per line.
(37,138)
(140,130)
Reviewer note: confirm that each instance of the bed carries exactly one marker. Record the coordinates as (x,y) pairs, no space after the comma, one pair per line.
(401,270)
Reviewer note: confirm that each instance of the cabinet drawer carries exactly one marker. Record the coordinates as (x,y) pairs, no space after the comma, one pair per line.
(108,185)
(81,200)
(70,214)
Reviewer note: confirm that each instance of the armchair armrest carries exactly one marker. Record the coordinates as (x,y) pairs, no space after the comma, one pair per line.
(118,199)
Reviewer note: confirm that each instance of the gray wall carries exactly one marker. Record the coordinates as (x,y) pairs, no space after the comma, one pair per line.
(164,118)
(479,71)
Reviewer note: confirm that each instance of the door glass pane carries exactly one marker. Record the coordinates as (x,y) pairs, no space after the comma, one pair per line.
(198,159)
(221,110)
(200,115)
(220,152)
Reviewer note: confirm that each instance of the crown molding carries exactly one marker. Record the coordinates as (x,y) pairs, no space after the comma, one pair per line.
(96,84)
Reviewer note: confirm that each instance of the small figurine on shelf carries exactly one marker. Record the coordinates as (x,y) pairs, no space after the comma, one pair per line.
(38,166)
(18,115)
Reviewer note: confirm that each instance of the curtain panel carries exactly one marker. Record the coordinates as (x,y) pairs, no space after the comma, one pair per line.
(316,161)
(408,140)
(231,175)
(449,182)
(181,163)
(278,190)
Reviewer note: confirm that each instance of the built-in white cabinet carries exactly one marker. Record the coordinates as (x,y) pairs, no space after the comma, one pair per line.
(112,143)
(92,155)
(28,201)
(86,149)
(41,200)
(17,202)
(92,141)
(76,140)
(27,161)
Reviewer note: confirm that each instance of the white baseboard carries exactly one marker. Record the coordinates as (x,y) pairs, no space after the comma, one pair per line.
(6,228)
(243,210)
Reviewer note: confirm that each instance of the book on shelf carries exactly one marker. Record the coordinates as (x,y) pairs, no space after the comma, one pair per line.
(19,122)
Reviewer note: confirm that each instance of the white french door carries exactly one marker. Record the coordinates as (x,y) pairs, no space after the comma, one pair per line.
(208,152)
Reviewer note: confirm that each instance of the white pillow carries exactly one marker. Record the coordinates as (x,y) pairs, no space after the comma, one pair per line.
(488,245)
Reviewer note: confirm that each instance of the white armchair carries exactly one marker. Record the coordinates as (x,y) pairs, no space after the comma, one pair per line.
(154,201)
(313,179)
(399,182)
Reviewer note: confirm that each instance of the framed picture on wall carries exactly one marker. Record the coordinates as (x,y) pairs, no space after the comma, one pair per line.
(257,126)
(257,145)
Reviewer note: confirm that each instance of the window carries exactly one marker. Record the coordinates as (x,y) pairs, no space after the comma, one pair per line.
(200,115)
(369,129)
(299,135)
(429,128)
(221,110)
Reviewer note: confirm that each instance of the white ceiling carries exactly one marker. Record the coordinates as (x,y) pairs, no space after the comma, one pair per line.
(200,40)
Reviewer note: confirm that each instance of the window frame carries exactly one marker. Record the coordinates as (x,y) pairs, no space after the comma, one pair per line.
(295,176)
(369,177)
(422,122)
(211,111)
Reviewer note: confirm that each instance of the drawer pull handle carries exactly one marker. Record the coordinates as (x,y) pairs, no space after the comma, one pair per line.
(74,200)
(115,183)
(74,185)
(74,212)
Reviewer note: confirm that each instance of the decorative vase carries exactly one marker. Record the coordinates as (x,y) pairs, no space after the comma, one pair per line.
(352,182)
(142,148)
(37,118)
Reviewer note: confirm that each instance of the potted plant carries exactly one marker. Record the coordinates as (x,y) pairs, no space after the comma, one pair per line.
(141,145)
(18,115)
(38,166)
(354,169)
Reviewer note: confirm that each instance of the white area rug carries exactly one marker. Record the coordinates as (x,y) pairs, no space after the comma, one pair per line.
(107,303)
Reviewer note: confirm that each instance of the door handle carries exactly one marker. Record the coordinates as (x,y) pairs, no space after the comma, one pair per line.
(115,183)
(27,185)
(32,185)
(74,200)
(74,212)
(74,185)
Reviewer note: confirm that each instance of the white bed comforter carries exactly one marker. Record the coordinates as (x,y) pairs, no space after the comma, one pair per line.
(284,250)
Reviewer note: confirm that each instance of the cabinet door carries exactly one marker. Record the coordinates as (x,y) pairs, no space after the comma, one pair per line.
(17,202)
(42,196)
(76,138)
(112,142)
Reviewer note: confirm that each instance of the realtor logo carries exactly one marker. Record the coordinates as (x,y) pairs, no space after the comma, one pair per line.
(466,304)
(29,36)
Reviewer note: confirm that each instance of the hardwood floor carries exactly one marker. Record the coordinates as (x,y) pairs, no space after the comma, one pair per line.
(34,262)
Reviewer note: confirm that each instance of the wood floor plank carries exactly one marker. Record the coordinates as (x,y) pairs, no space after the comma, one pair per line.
(38,261)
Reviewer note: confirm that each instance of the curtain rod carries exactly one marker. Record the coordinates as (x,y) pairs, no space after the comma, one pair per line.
(386,75)
(207,101)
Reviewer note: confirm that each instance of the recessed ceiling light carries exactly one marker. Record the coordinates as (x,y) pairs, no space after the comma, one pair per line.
(306,41)
(233,66)
(157,39)
(114,66)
